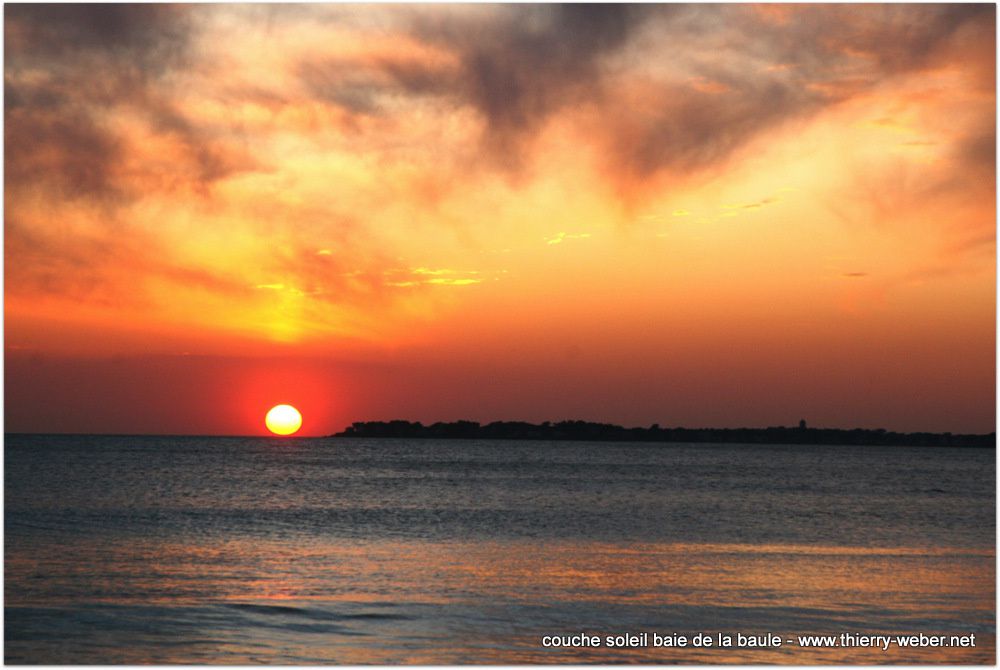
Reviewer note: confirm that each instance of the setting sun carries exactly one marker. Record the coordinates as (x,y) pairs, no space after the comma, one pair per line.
(283,420)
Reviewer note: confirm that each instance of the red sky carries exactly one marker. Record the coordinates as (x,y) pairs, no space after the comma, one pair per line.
(693,215)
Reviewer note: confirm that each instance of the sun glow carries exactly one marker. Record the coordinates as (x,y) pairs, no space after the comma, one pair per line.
(283,420)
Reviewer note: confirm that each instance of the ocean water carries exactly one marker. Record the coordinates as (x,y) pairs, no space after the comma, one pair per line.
(301,551)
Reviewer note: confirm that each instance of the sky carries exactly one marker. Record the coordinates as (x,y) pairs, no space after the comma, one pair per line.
(691,215)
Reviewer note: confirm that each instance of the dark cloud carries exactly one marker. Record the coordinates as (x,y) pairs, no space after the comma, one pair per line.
(517,66)
(898,37)
(150,37)
(69,69)
(63,148)
(520,69)
(978,150)
(211,159)
(341,84)
(83,58)
(819,55)
(683,129)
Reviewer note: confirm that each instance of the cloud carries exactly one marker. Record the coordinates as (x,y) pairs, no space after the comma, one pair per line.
(447,281)
(99,265)
(976,151)
(558,238)
(149,38)
(520,69)
(76,75)
(827,55)
(712,78)
(65,149)
(93,130)
(515,65)
(421,276)
(753,205)
(66,67)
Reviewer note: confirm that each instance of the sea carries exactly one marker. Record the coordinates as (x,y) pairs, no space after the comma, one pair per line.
(214,550)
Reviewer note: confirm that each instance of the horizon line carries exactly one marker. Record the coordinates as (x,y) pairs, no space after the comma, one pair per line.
(552,423)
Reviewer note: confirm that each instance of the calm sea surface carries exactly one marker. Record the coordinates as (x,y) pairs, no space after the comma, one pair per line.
(245,550)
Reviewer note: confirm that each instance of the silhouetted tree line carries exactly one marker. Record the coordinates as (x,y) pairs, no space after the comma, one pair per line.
(606,432)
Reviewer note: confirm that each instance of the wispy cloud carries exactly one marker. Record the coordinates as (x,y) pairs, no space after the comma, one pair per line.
(559,238)
(424,276)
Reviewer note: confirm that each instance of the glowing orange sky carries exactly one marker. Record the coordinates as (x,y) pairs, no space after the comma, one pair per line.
(725,215)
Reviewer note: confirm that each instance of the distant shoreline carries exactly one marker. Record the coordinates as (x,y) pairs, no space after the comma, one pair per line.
(604,432)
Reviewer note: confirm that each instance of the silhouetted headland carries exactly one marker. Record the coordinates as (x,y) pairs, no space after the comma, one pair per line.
(606,432)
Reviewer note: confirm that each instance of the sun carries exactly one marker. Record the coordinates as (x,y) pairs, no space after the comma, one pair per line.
(283,420)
